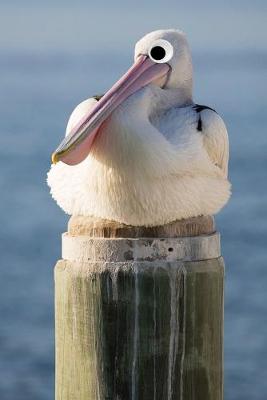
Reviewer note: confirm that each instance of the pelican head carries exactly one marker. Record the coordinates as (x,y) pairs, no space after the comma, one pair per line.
(168,47)
(162,58)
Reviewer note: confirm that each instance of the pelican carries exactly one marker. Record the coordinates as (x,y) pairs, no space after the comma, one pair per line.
(144,153)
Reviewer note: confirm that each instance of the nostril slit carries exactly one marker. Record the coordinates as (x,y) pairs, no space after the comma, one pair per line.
(170,249)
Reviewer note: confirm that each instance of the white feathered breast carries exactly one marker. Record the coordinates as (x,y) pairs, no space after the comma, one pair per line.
(147,168)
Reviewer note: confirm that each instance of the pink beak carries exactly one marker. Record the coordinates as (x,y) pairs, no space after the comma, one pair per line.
(77,145)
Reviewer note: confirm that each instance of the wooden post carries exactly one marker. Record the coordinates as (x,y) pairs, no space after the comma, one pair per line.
(139,312)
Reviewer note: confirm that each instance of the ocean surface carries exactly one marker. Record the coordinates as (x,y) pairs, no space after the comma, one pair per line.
(39,89)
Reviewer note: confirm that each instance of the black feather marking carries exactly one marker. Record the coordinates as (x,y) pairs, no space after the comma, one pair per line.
(199,124)
(98,96)
(199,107)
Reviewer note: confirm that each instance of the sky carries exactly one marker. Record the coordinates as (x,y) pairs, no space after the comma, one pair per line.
(29,25)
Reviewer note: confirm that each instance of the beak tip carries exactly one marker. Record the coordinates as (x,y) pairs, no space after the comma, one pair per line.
(54,158)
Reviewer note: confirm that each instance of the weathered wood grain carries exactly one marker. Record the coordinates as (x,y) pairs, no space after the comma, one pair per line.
(138,328)
(94,227)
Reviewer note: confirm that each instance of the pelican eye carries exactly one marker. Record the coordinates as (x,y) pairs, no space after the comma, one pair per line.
(161,51)
(157,53)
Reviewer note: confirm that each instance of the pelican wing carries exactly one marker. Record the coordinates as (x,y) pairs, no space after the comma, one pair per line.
(215,136)
(80,111)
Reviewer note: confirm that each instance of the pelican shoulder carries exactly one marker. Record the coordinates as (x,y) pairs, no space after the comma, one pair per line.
(80,111)
(214,136)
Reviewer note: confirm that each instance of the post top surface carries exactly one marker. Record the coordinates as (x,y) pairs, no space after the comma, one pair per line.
(96,227)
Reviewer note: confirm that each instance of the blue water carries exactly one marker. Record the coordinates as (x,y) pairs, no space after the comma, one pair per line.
(38,91)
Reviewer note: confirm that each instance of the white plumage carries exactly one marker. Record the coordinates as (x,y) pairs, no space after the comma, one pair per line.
(157,158)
